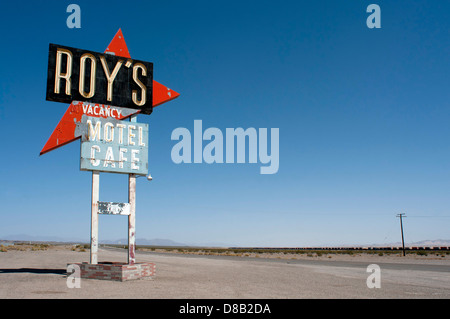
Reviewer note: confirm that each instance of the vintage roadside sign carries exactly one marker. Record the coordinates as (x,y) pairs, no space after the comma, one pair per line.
(81,75)
(109,145)
(105,89)
(65,132)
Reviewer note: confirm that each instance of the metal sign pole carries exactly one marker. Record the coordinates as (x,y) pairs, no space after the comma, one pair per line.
(94,216)
(132,216)
(132,219)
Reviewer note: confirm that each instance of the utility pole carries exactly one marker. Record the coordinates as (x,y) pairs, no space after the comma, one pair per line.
(401,228)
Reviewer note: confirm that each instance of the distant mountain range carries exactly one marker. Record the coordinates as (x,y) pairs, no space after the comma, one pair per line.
(23,237)
(144,242)
(169,242)
(139,241)
(422,243)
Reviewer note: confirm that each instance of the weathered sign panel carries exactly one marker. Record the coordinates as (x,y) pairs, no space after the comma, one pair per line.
(111,208)
(109,145)
(87,76)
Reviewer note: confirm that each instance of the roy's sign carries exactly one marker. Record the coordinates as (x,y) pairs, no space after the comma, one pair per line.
(80,75)
(103,90)
(110,145)
(86,68)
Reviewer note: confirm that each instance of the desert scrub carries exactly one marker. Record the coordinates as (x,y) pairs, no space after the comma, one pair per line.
(80,248)
(422,253)
(37,247)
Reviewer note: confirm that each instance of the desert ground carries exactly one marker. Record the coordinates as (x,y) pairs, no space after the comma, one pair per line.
(34,272)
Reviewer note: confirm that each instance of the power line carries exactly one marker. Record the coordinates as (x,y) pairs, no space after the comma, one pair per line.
(431,216)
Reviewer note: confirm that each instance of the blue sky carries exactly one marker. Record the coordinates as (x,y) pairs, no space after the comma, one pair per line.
(363,116)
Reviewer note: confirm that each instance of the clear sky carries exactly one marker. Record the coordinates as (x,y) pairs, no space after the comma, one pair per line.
(363,117)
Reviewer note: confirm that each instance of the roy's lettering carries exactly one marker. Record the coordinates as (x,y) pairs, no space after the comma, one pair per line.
(80,75)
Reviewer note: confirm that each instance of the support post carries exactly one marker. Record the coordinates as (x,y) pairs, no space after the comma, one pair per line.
(132,219)
(401,228)
(94,216)
(132,216)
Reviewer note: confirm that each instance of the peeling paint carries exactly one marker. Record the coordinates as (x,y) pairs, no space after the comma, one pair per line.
(111,208)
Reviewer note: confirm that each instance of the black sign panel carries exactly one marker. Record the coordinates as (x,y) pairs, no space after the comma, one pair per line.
(80,75)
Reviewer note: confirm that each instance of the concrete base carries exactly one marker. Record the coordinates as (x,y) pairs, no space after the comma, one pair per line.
(116,271)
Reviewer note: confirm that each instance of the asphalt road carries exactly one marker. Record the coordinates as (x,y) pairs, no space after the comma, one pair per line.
(314,262)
